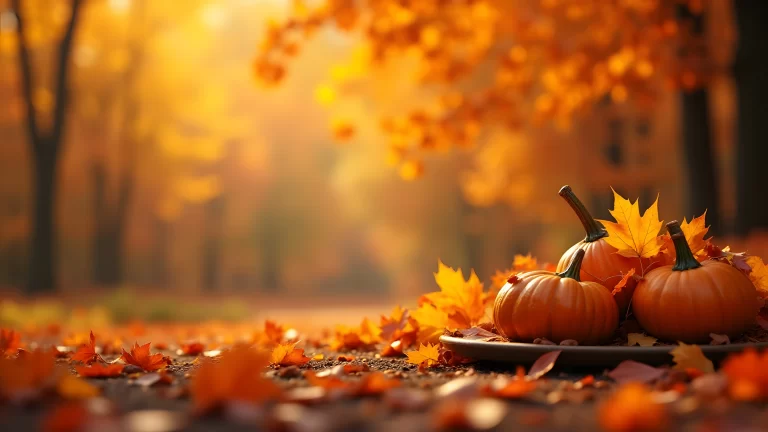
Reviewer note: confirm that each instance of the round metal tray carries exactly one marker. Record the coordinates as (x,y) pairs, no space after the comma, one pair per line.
(526,353)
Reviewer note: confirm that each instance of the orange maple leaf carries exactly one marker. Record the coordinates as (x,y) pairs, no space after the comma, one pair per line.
(100,371)
(28,374)
(350,338)
(399,331)
(632,408)
(140,356)
(691,357)
(234,377)
(288,355)
(631,234)
(462,300)
(86,353)
(432,322)
(375,383)
(747,374)
(427,355)
(9,342)
(758,274)
(190,348)
(694,234)
(623,282)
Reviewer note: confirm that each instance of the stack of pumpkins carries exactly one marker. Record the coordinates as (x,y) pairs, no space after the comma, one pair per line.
(685,302)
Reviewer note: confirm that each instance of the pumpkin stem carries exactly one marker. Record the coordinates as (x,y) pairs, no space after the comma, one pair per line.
(574,268)
(594,229)
(685,259)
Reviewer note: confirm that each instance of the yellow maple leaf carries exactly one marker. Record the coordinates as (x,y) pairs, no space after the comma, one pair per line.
(759,274)
(288,355)
(432,322)
(691,357)
(426,354)
(694,232)
(640,339)
(634,235)
(462,300)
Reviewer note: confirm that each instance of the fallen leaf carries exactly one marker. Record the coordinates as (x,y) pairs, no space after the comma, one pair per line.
(478,414)
(288,355)
(747,374)
(87,353)
(543,364)
(234,376)
(375,383)
(514,388)
(632,408)
(461,299)
(690,356)
(10,342)
(153,378)
(190,349)
(478,333)
(633,235)
(432,322)
(718,339)
(72,387)
(140,356)
(709,385)
(25,376)
(623,282)
(318,357)
(352,338)
(640,339)
(427,355)
(391,325)
(100,371)
(632,371)
(66,417)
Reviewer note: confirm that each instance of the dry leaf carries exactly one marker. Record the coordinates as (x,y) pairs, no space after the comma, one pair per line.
(718,339)
(632,371)
(87,353)
(427,355)
(543,364)
(747,374)
(691,357)
(72,387)
(100,371)
(432,322)
(632,408)
(640,339)
(758,274)
(288,355)
(190,349)
(462,300)
(633,235)
(625,278)
(375,383)
(25,376)
(141,357)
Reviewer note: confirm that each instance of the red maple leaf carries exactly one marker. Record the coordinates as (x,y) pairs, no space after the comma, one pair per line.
(86,353)
(140,356)
(100,371)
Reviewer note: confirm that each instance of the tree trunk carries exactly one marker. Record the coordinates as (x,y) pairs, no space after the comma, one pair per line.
(750,71)
(42,264)
(159,252)
(703,187)
(109,229)
(214,218)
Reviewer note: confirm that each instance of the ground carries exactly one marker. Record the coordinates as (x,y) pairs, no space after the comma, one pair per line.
(556,405)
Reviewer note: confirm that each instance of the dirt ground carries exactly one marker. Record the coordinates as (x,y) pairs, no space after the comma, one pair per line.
(554,406)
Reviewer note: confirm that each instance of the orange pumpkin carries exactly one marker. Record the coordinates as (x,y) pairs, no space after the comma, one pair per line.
(601,262)
(555,306)
(688,301)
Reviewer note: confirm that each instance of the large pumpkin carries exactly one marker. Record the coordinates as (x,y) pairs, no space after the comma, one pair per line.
(555,306)
(688,301)
(601,262)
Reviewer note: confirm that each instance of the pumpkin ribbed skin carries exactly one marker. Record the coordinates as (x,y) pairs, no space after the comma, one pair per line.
(541,304)
(602,265)
(688,305)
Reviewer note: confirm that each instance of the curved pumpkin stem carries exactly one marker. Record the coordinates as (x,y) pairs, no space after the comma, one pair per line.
(685,259)
(574,268)
(594,229)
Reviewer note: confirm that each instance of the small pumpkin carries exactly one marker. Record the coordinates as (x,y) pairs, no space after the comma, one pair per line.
(601,262)
(555,306)
(688,301)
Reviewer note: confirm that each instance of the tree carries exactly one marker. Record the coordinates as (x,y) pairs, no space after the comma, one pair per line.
(45,144)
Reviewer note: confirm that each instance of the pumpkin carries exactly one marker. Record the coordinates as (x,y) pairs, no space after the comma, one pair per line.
(688,301)
(601,262)
(555,306)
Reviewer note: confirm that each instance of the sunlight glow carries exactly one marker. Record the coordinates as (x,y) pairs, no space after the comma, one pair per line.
(119,6)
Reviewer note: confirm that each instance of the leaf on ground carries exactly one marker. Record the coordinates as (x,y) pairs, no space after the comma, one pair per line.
(691,357)
(191,349)
(427,355)
(32,372)
(395,323)
(719,339)
(640,339)
(235,376)
(514,388)
(632,408)
(375,383)
(353,338)
(632,371)
(72,387)
(288,355)
(631,234)
(100,371)
(10,342)
(747,375)
(625,278)
(141,357)
(432,323)
(462,300)
(87,353)
(543,364)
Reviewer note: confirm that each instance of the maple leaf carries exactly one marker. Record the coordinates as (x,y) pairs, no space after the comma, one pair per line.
(462,300)
(72,387)
(432,323)
(27,375)
(691,357)
(375,383)
(395,323)
(640,339)
(758,274)
(190,349)
(140,356)
(632,371)
(543,364)
(100,371)
(9,342)
(428,355)
(623,282)
(87,353)
(747,374)
(350,338)
(234,377)
(633,235)
(632,408)
(288,355)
